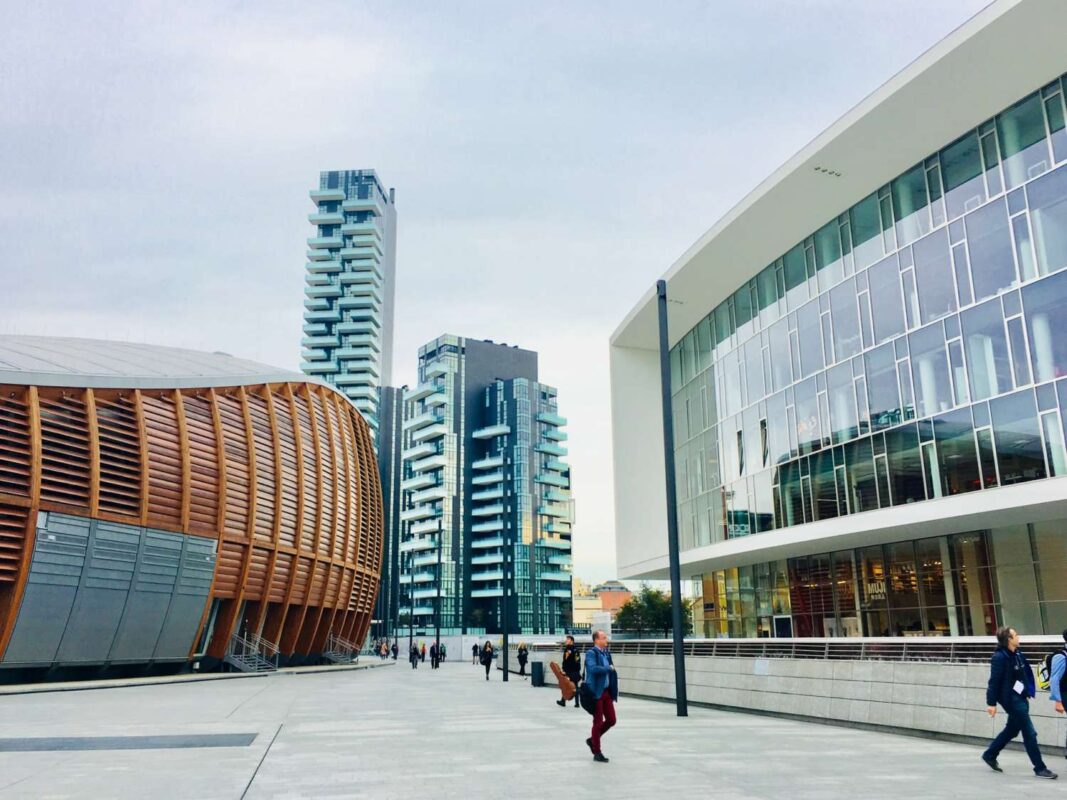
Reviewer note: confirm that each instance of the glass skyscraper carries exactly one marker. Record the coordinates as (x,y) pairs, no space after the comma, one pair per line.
(869,421)
(348,305)
(486,494)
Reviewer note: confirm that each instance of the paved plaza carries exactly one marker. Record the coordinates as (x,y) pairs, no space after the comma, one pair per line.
(390,732)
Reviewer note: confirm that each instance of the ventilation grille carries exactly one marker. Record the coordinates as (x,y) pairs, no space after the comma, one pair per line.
(64,452)
(236,449)
(264,453)
(287,448)
(120,456)
(12,540)
(164,459)
(203,465)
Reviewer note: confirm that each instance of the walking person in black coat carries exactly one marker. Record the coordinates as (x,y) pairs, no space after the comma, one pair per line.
(487,657)
(413,657)
(572,668)
(474,653)
(524,656)
(1011,683)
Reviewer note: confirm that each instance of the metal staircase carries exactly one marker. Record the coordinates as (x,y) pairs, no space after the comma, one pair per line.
(252,653)
(340,651)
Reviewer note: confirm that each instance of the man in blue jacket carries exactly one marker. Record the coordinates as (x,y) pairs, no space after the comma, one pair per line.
(1011,683)
(603,682)
(1056,680)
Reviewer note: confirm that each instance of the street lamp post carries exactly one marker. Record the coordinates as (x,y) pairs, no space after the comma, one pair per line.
(672,509)
(437,609)
(504,602)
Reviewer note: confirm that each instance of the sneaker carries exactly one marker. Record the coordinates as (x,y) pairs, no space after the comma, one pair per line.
(561,703)
(589,744)
(993,765)
(1046,773)
(603,759)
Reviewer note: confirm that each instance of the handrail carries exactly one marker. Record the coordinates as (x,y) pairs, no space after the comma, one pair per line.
(252,644)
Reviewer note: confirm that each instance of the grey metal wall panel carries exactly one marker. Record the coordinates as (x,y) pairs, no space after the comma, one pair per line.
(154,580)
(189,600)
(59,552)
(102,594)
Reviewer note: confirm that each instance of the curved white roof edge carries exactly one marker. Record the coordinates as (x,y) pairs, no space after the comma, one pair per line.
(1010,48)
(102,364)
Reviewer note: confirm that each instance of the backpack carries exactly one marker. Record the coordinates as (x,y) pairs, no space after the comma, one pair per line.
(1044,672)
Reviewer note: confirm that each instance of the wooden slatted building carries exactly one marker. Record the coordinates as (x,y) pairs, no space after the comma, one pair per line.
(156,501)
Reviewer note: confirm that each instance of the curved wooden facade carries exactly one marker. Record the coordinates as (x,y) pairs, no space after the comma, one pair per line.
(282,476)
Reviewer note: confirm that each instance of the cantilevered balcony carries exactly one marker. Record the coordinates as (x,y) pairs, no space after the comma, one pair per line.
(488,479)
(321,242)
(496,557)
(425,526)
(563,594)
(326,218)
(320,341)
(422,420)
(372,203)
(366,228)
(552,419)
(326,195)
(325,290)
(436,399)
(418,543)
(555,576)
(420,594)
(426,558)
(561,560)
(552,479)
(556,465)
(318,367)
(328,315)
(486,544)
(418,577)
(488,494)
(492,462)
(418,482)
(555,544)
(552,510)
(316,304)
(435,369)
(419,451)
(556,434)
(324,266)
(491,431)
(557,495)
(363,340)
(431,463)
(551,448)
(491,525)
(428,494)
(557,526)
(488,511)
(423,390)
(352,353)
(429,433)
(488,575)
(315,328)
(419,512)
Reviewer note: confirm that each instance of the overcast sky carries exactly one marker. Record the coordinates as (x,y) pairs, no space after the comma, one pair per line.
(550,161)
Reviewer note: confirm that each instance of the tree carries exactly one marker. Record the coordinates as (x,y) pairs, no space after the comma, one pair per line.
(650,609)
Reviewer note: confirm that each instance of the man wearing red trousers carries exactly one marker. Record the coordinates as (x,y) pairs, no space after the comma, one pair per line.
(603,682)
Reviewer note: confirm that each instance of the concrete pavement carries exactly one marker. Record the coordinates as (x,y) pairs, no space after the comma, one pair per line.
(399,733)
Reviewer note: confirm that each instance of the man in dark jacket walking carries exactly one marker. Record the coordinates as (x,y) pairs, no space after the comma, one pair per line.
(1011,683)
(603,682)
(572,668)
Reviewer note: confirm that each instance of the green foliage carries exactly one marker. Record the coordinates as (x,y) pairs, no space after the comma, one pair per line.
(650,610)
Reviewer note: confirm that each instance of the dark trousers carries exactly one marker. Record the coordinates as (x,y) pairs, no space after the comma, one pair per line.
(522,668)
(603,718)
(434,660)
(488,664)
(1018,722)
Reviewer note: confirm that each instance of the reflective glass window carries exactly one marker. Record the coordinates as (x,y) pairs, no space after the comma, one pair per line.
(866,224)
(990,247)
(887,307)
(873,591)
(863,496)
(987,350)
(957,459)
(1046,318)
(1021,130)
(929,367)
(796,277)
(1048,218)
(842,401)
(828,262)
(754,369)
(905,468)
(777,430)
(961,171)
(1016,582)
(1050,542)
(845,318)
(909,205)
(766,288)
(781,366)
(810,339)
(1017,436)
(823,485)
(933,274)
(809,434)
(883,392)
(743,310)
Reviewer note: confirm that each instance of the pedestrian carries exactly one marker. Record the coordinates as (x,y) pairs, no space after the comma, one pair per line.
(396,649)
(1011,683)
(487,657)
(423,653)
(1057,684)
(474,653)
(433,655)
(572,668)
(442,652)
(603,683)
(524,656)
(413,656)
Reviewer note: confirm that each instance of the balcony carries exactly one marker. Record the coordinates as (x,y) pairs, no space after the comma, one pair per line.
(488,593)
(562,560)
(488,494)
(427,418)
(432,525)
(556,465)
(418,482)
(314,256)
(419,512)
(320,341)
(557,526)
(555,544)
(438,399)
(552,419)
(315,329)
(435,369)
(485,544)
(348,353)
(560,593)
(362,277)
(367,228)
(488,558)
(363,339)
(372,203)
(488,575)
(550,448)
(419,451)
(488,479)
(326,218)
(426,559)
(317,304)
(558,495)
(430,433)
(358,379)
(325,290)
(324,266)
(421,543)
(320,242)
(492,431)
(363,327)
(431,463)
(420,594)
(552,480)
(418,577)
(432,493)
(326,195)
(318,367)
(489,463)
(552,510)
(488,511)
(556,434)
(329,315)
(491,525)
(556,576)
(422,391)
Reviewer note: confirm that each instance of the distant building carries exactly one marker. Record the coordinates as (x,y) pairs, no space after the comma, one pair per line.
(487,500)
(390,467)
(608,597)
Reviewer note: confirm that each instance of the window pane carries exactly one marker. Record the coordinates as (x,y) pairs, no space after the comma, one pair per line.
(778,342)
(905,469)
(929,367)
(1017,437)
(1050,539)
(846,322)
(766,288)
(866,226)
(842,402)
(777,430)
(1048,217)
(796,277)
(987,350)
(886,305)
(809,335)
(828,261)
(1046,318)
(742,306)
(754,369)
(863,495)
(807,411)
(989,242)
(957,459)
(1022,141)
(933,273)
(961,170)
(883,393)
(823,485)
(903,584)
(909,205)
